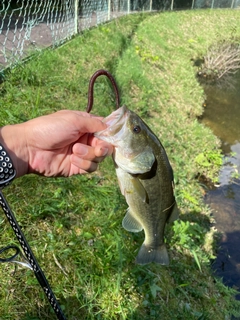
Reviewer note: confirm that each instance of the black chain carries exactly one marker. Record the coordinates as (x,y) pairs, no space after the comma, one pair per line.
(31,258)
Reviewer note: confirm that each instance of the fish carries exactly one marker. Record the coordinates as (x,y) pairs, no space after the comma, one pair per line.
(146,181)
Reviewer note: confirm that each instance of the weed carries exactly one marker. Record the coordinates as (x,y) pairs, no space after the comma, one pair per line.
(207,160)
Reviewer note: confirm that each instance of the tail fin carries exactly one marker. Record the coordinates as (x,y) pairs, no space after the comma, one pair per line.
(147,254)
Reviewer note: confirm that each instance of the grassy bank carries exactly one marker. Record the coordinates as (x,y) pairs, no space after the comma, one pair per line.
(76,222)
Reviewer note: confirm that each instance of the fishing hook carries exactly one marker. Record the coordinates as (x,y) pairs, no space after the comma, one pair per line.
(91,85)
(11,258)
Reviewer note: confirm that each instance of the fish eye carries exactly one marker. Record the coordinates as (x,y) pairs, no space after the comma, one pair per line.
(136,129)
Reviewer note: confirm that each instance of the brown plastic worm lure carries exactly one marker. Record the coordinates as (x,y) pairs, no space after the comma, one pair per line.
(98,73)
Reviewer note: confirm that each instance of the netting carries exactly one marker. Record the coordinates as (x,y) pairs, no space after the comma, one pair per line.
(29,25)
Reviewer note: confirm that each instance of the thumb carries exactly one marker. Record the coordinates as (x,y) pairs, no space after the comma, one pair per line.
(89,124)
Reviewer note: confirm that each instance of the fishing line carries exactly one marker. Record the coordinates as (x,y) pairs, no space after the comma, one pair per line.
(17,257)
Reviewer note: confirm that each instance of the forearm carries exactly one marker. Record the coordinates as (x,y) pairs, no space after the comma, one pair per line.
(12,138)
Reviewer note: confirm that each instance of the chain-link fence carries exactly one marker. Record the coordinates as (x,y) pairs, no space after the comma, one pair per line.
(29,25)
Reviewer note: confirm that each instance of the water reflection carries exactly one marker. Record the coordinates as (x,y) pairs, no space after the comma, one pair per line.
(222,115)
(231,166)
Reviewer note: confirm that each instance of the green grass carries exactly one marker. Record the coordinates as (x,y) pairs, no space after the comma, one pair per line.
(77,221)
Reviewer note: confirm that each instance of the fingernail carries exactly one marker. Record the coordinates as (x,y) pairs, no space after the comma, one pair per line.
(83,150)
(104,151)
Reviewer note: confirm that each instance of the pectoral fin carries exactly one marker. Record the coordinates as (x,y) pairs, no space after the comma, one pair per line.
(129,223)
(140,190)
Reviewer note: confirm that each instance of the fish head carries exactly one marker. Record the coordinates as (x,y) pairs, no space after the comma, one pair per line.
(129,135)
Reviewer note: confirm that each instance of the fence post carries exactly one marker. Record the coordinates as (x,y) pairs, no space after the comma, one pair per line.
(128,7)
(150,9)
(76,17)
(109,9)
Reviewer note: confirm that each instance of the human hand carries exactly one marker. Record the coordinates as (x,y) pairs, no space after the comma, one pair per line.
(59,144)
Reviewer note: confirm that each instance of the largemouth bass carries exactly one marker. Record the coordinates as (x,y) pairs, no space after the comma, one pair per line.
(146,180)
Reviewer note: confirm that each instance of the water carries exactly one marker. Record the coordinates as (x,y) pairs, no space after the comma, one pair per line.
(222,115)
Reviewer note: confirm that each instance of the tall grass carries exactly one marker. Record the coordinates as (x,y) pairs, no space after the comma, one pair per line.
(74,225)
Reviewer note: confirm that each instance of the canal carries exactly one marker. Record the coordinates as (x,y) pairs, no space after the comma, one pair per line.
(222,115)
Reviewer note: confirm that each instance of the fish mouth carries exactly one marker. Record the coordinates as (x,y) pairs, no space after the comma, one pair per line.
(115,122)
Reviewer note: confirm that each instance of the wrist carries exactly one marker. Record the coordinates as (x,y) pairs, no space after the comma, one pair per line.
(12,138)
